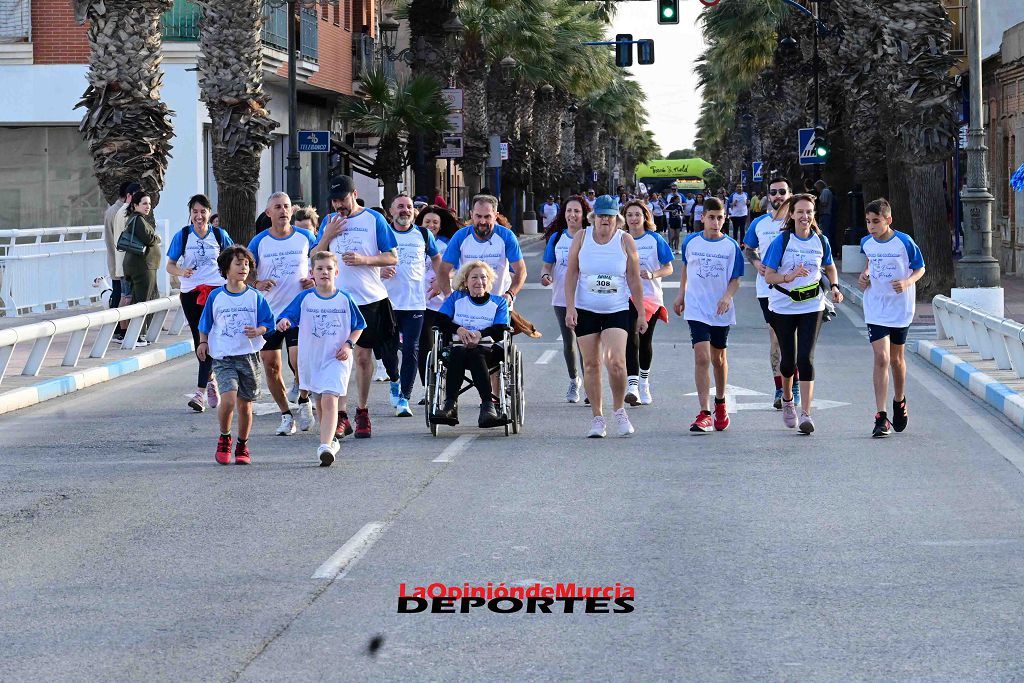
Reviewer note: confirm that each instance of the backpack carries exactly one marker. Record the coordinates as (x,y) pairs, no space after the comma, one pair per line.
(217,234)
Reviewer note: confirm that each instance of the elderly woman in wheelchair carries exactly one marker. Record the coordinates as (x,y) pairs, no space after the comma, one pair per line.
(474,320)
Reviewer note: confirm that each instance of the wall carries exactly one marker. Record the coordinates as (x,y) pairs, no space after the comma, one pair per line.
(56,38)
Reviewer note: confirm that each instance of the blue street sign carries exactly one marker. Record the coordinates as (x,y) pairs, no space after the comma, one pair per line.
(758,174)
(805,148)
(743,177)
(314,141)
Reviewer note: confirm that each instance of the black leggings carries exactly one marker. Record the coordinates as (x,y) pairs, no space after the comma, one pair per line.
(797,336)
(570,345)
(476,360)
(430,319)
(193,312)
(639,347)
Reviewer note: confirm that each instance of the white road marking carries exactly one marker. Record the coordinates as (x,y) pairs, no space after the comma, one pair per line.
(455,447)
(339,564)
(546,357)
(819,404)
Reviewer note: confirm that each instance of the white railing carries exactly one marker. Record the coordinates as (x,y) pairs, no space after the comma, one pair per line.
(45,268)
(991,337)
(42,334)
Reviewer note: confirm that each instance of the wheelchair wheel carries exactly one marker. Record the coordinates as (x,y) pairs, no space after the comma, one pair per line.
(433,375)
(517,392)
(521,410)
(503,396)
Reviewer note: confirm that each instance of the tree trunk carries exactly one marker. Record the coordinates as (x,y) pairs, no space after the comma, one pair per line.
(933,231)
(236,209)
(899,194)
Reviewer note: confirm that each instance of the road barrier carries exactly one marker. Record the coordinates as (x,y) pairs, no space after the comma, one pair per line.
(993,338)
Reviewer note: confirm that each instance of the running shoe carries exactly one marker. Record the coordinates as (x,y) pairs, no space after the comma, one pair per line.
(778,399)
(293,393)
(142,342)
(789,413)
(305,417)
(212,394)
(396,393)
(326,453)
(645,392)
(633,391)
(625,426)
(883,427)
(287,425)
(242,454)
(198,401)
(721,417)
(363,428)
(806,423)
(573,394)
(402,409)
(597,430)
(586,400)
(703,423)
(380,374)
(343,429)
(899,415)
(223,455)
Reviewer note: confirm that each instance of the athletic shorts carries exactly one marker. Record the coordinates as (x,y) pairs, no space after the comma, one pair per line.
(239,373)
(763,300)
(588,322)
(273,340)
(702,332)
(380,324)
(896,335)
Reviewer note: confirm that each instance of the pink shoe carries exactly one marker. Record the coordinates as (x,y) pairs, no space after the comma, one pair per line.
(789,413)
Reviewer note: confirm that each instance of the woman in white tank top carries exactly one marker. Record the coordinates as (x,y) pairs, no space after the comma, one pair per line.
(604,271)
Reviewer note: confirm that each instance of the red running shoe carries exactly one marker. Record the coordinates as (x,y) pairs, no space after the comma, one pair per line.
(363,428)
(702,423)
(343,429)
(241,454)
(223,455)
(721,417)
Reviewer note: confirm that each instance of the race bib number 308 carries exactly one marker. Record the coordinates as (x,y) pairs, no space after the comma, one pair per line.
(604,284)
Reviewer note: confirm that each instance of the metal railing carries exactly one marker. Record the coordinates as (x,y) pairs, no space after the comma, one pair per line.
(991,337)
(181,23)
(42,334)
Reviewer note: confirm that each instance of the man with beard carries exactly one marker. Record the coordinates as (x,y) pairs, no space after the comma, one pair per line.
(364,243)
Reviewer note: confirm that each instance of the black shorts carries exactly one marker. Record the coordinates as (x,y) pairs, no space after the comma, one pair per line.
(702,332)
(763,300)
(896,335)
(380,324)
(588,322)
(273,340)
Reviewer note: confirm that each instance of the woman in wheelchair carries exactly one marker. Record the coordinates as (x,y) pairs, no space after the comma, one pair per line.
(475,320)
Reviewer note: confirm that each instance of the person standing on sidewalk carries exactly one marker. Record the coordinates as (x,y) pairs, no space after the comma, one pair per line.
(894,265)
(826,209)
(113,225)
(192,256)
(140,269)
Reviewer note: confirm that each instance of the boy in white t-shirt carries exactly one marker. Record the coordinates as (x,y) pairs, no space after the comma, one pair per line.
(231,330)
(894,265)
(712,268)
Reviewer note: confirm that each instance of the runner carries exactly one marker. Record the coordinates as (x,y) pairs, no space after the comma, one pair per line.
(329,324)
(363,242)
(674,214)
(895,264)
(739,207)
(197,247)
(603,262)
(231,330)
(697,217)
(570,220)
(657,209)
(794,263)
(655,263)
(759,235)
(442,224)
(711,272)
(282,271)
(486,241)
(417,253)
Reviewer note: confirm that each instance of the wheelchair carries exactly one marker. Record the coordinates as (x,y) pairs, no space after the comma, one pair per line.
(511,404)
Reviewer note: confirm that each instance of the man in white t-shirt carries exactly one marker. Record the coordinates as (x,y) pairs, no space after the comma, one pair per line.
(489,242)
(549,210)
(738,205)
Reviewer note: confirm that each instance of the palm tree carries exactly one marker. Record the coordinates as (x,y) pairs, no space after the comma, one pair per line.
(127,125)
(231,79)
(392,112)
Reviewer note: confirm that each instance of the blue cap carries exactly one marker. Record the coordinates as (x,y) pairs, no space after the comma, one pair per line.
(606,205)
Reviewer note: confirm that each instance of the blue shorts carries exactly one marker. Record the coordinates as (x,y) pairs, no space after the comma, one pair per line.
(702,332)
(896,335)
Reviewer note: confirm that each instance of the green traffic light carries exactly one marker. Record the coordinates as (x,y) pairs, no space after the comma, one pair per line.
(821,151)
(668,12)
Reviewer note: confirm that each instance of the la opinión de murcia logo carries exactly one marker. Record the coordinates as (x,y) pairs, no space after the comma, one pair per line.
(562,598)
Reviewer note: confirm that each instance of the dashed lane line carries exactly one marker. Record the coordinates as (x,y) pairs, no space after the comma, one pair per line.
(455,447)
(339,564)
(546,357)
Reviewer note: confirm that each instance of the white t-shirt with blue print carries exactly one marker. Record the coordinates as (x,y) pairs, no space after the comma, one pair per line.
(498,251)
(285,260)
(654,253)
(800,252)
(465,312)
(556,253)
(366,233)
(430,277)
(406,289)
(225,317)
(761,233)
(894,259)
(199,254)
(710,266)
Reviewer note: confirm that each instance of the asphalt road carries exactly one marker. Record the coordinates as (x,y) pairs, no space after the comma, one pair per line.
(755,554)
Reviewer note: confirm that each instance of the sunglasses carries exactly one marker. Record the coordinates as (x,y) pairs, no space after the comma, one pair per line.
(778,192)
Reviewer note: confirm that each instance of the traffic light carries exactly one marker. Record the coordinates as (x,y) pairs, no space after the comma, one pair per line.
(668,11)
(821,146)
(624,49)
(645,51)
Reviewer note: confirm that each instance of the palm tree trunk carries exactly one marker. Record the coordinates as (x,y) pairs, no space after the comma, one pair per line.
(932,228)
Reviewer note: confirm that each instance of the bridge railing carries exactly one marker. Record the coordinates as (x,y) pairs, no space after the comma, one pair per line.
(991,337)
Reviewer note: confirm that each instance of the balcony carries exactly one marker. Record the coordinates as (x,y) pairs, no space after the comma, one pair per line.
(957,10)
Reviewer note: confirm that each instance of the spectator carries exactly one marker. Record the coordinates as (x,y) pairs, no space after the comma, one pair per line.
(140,269)
(113,224)
(826,209)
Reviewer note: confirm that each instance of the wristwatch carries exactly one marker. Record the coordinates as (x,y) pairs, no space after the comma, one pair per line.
(835,286)
(350,344)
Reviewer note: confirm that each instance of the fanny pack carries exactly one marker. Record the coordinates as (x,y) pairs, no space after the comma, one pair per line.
(805,293)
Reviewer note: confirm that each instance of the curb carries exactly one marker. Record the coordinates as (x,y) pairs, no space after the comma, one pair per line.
(76,381)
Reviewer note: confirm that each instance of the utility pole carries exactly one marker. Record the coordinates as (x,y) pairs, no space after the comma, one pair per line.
(293,167)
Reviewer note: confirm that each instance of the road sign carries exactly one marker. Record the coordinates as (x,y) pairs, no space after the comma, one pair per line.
(743,177)
(593,177)
(314,141)
(758,172)
(451,147)
(504,151)
(805,148)
(455,123)
(493,151)
(453,96)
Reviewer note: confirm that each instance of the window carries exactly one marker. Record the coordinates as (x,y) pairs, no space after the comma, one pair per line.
(323,9)
(337,13)
(348,14)
(1003,176)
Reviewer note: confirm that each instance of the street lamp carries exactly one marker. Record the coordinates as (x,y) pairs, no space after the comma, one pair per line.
(508,66)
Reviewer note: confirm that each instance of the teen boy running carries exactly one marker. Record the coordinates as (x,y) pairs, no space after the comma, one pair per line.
(329,324)
(231,331)
(895,264)
(712,268)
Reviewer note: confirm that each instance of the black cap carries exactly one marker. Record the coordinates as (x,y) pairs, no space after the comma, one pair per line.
(341,187)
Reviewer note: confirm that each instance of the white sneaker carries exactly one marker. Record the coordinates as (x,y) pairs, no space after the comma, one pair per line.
(305,418)
(806,423)
(212,394)
(380,374)
(597,430)
(645,392)
(198,401)
(573,394)
(293,393)
(326,453)
(633,391)
(625,426)
(287,425)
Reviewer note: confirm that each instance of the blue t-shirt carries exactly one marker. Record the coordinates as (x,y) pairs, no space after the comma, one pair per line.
(465,312)
(199,254)
(498,251)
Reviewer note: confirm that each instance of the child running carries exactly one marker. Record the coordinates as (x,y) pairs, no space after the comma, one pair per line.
(329,324)
(231,330)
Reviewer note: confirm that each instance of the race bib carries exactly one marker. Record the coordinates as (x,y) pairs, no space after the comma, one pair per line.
(604,284)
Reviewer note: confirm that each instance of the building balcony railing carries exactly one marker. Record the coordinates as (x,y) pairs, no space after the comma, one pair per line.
(957,13)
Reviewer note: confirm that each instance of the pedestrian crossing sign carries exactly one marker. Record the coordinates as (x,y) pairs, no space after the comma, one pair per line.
(805,147)
(758,173)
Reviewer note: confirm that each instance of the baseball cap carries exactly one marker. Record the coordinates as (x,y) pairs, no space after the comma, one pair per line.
(341,187)
(606,205)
